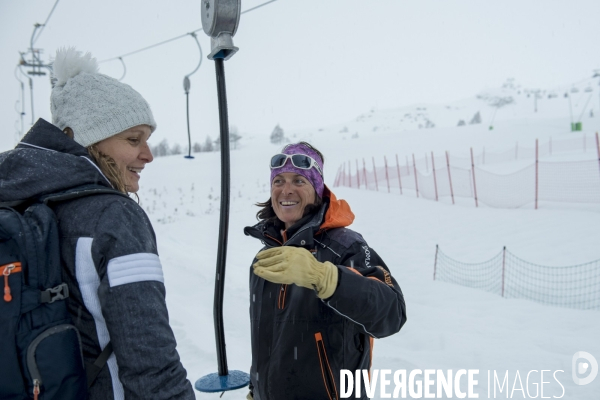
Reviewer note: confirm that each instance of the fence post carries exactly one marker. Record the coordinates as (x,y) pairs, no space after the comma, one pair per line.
(407,166)
(598,147)
(434,178)
(375,175)
(400,179)
(365,175)
(426,164)
(449,176)
(435,262)
(349,174)
(344,175)
(337,177)
(357,175)
(503,267)
(536,173)
(474,186)
(386,173)
(416,182)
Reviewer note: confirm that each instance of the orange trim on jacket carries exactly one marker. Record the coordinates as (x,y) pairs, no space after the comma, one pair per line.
(338,215)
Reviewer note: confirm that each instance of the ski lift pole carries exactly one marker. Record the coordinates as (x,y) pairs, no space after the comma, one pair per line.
(186,88)
(220,19)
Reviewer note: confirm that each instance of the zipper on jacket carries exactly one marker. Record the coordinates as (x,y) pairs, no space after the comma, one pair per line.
(281,297)
(272,238)
(6,271)
(31,361)
(328,378)
(283,288)
(36,389)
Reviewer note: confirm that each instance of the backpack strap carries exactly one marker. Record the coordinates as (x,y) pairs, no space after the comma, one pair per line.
(92,370)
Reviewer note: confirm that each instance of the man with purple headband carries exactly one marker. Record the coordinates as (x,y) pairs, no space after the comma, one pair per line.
(319,294)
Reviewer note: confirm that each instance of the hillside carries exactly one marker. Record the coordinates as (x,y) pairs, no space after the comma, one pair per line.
(449,326)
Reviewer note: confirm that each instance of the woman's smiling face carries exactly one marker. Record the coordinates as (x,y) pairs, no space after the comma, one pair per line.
(290,194)
(131,152)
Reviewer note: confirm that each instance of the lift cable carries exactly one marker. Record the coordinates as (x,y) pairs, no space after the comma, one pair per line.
(124,69)
(258,6)
(148,47)
(193,34)
(44,24)
(37,64)
(175,38)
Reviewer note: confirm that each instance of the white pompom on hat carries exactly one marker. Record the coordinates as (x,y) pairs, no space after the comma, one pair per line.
(93,105)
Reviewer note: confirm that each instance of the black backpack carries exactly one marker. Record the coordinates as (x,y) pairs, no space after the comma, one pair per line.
(40,348)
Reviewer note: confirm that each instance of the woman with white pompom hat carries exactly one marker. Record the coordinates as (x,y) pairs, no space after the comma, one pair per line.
(99,136)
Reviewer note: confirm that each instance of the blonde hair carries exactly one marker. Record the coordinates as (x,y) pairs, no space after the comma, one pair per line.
(109,168)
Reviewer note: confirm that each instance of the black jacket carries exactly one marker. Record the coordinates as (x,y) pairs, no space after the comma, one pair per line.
(300,342)
(110,262)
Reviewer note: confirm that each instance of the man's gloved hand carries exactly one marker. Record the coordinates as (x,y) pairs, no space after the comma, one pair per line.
(297,265)
(249,396)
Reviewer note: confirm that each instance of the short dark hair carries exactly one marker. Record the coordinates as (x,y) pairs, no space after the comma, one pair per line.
(267,213)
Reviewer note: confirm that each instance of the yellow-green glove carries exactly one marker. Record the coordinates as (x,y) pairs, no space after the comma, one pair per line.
(297,265)
(249,396)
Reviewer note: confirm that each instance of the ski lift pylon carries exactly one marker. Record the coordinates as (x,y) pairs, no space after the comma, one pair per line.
(220,19)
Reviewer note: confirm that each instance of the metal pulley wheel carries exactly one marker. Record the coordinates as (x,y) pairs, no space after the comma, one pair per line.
(220,20)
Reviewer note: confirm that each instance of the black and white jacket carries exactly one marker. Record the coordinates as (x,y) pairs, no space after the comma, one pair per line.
(111,264)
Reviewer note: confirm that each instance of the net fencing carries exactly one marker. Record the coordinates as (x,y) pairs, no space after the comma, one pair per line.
(437,177)
(505,274)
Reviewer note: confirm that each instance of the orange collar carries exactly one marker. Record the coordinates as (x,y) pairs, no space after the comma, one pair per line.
(339,214)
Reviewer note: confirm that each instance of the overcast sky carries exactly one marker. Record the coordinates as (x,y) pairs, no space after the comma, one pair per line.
(304,63)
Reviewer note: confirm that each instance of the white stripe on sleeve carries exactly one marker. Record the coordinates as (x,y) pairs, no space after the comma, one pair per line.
(89,282)
(132,268)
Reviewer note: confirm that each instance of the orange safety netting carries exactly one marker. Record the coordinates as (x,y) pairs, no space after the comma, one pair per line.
(437,177)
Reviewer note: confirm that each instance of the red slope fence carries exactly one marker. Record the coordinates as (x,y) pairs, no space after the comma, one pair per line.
(434,177)
(509,276)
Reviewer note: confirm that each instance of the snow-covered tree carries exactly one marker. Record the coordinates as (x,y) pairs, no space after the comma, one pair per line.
(208,145)
(161,149)
(176,149)
(277,136)
(476,119)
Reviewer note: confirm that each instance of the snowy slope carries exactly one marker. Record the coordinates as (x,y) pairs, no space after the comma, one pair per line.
(449,326)
(494,105)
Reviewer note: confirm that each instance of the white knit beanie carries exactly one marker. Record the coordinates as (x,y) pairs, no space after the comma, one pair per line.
(93,105)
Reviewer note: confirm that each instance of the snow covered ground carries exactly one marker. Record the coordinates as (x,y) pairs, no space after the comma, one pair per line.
(449,326)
